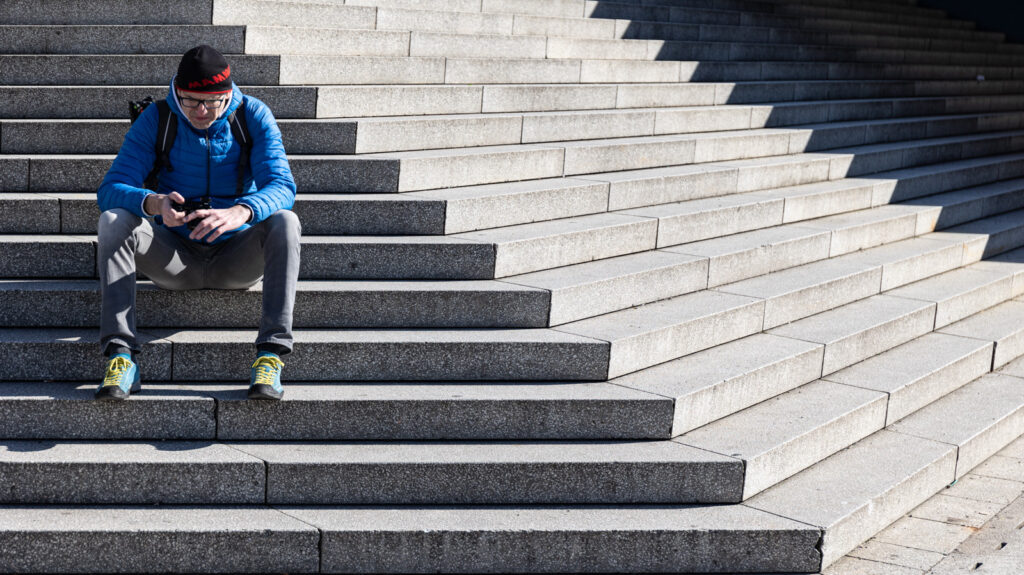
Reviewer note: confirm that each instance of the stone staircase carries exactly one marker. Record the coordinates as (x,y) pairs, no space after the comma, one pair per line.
(638,286)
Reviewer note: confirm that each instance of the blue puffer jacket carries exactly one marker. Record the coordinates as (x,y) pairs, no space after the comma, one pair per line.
(204,163)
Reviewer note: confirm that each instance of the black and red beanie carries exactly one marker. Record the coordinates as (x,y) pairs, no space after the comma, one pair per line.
(204,69)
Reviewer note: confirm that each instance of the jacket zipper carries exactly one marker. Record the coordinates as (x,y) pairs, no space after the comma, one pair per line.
(209,162)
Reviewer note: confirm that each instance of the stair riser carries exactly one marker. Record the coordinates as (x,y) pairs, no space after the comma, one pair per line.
(369,361)
(241,309)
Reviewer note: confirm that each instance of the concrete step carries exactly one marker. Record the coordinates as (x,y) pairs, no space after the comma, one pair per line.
(318,304)
(794,431)
(1000,326)
(895,473)
(920,371)
(77,473)
(374,135)
(292,13)
(979,419)
(109,102)
(99,102)
(654,333)
(960,293)
(361,355)
(339,42)
(153,39)
(318,412)
(490,473)
(122,70)
(495,473)
(859,330)
(626,538)
(708,385)
(324,257)
(797,179)
(315,69)
(242,539)
(106,12)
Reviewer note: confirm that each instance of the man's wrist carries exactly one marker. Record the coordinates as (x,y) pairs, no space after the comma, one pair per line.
(150,205)
(250,213)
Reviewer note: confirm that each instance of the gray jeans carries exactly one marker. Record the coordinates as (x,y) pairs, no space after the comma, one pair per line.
(269,249)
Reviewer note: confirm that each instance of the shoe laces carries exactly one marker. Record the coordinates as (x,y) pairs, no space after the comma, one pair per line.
(117,367)
(267,369)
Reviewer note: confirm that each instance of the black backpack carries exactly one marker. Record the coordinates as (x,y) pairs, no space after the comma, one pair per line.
(167,129)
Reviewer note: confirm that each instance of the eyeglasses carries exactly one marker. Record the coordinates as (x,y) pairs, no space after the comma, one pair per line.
(187,102)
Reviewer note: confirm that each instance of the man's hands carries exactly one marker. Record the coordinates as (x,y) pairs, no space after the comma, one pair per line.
(214,222)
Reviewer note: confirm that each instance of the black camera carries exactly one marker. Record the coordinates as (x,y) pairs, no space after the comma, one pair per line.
(190,206)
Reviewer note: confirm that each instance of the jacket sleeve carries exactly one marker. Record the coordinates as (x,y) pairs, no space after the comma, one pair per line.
(275,186)
(122,186)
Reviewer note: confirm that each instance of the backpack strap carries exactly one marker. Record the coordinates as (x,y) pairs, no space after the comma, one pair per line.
(240,131)
(167,129)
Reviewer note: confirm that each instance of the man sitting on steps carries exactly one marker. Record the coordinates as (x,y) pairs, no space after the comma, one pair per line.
(247,231)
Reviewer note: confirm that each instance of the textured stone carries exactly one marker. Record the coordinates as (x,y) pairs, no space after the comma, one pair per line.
(395,100)
(1001,324)
(22,213)
(866,228)
(510,71)
(446,410)
(68,411)
(437,132)
(988,489)
(727,378)
(313,69)
(498,540)
(497,205)
(450,45)
(72,354)
(290,13)
(88,69)
(751,254)
(588,157)
(448,21)
(895,473)
(325,41)
(397,257)
(892,554)
(586,125)
(495,473)
(956,510)
(430,169)
(924,534)
(919,371)
(53,173)
(797,429)
(403,355)
(696,220)
(333,174)
(959,293)
(806,290)
(98,12)
(62,136)
(129,473)
(184,539)
(980,418)
(78,39)
(546,98)
(652,186)
(544,245)
(907,261)
(862,329)
(651,334)
(593,288)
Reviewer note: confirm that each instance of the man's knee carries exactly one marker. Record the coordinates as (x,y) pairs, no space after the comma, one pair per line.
(286,222)
(117,224)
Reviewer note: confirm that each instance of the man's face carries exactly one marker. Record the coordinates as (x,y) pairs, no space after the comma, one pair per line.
(202,109)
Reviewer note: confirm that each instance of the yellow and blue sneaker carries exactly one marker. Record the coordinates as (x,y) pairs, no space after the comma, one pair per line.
(265,378)
(121,380)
